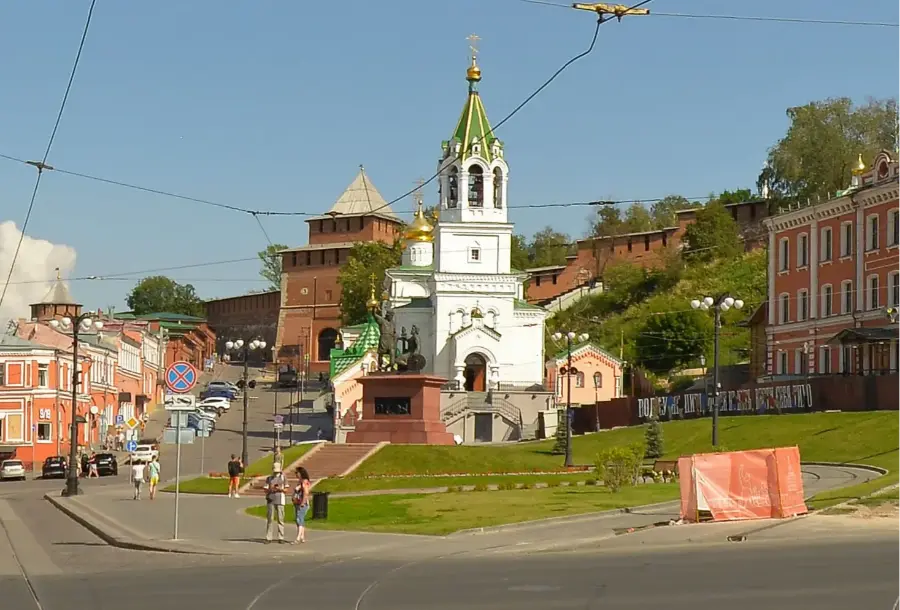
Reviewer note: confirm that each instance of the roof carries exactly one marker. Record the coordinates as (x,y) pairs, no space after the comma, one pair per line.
(167,316)
(418,303)
(12,341)
(243,296)
(636,234)
(58,295)
(338,245)
(547,268)
(564,354)
(879,334)
(473,128)
(520,304)
(367,340)
(361,198)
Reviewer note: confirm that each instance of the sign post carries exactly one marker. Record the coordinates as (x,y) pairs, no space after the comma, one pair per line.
(177,474)
(177,406)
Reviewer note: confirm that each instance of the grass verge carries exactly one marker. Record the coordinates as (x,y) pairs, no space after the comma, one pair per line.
(444,513)
(343,484)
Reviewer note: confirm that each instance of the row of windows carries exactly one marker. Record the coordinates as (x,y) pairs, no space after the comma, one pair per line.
(475,192)
(848,360)
(872,296)
(130,358)
(826,241)
(43,376)
(319,257)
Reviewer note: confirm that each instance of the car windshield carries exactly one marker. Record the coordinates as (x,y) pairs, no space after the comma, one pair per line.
(12,463)
(144,448)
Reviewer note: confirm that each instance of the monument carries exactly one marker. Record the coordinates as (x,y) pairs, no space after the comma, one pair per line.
(399,404)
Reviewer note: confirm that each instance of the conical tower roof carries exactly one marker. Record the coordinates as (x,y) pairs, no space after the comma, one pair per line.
(361,198)
(473,126)
(58,294)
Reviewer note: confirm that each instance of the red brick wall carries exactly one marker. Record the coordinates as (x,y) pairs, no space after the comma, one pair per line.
(360,228)
(245,315)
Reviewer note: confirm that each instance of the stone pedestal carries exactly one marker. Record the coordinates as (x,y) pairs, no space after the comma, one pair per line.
(401,408)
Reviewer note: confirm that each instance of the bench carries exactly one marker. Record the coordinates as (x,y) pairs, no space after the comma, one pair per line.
(659,469)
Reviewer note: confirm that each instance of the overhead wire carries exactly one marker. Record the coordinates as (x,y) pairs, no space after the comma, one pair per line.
(42,165)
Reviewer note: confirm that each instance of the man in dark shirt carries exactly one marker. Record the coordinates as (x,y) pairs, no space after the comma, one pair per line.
(235,470)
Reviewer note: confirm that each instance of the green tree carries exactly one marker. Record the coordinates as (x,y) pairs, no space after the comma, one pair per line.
(518,257)
(663,211)
(637,219)
(671,340)
(549,247)
(654,441)
(736,196)
(822,144)
(608,222)
(714,235)
(355,277)
(271,265)
(157,294)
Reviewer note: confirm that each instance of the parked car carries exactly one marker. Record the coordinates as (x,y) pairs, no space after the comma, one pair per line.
(207,415)
(55,467)
(218,393)
(218,385)
(217,404)
(12,469)
(145,453)
(107,464)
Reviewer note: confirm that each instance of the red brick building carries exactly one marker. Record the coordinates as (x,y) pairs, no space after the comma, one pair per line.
(247,316)
(310,313)
(833,271)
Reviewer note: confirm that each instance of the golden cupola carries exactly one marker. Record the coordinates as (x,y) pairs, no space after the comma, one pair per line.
(860,168)
(420,229)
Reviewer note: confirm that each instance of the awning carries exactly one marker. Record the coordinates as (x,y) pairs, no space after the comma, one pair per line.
(864,336)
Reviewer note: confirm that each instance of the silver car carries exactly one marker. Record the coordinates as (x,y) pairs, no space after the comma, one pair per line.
(12,469)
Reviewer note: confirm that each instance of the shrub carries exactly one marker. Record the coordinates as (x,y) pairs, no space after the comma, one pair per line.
(654,439)
(554,483)
(526,485)
(591,482)
(507,486)
(454,489)
(620,466)
(481,487)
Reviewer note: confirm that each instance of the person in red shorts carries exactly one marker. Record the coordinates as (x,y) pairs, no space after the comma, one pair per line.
(235,470)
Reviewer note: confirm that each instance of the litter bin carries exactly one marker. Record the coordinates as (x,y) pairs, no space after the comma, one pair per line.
(320,505)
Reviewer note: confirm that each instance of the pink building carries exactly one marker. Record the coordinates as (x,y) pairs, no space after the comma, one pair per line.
(598,377)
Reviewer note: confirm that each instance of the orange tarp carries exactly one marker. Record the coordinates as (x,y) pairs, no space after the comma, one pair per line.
(759,484)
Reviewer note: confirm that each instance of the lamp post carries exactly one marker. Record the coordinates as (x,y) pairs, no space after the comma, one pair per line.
(84,323)
(568,371)
(244,348)
(717,305)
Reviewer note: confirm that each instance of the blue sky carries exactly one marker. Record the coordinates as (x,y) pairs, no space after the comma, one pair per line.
(273,104)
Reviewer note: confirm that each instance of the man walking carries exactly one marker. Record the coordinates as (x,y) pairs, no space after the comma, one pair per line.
(154,476)
(275,501)
(235,470)
(137,478)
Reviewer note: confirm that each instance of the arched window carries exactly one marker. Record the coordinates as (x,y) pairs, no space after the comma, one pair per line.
(327,341)
(498,187)
(476,187)
(598,380)
(579,380)
(453,187)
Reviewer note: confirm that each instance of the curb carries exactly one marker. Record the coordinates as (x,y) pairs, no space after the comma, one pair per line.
(876,469)
(122,543)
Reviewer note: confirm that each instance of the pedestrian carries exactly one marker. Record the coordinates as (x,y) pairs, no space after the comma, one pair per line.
(154,469)
(235,469)
(93,473)
(278,459)
(319,433)
(275,500)
(137,478)
(300,500)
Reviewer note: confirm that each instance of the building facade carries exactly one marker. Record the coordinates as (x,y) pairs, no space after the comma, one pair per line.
(248,316)
(833,272)
(309,315)
(598,376)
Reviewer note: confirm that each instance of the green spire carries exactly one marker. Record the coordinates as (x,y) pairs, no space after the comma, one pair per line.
(342,359)
(473,127)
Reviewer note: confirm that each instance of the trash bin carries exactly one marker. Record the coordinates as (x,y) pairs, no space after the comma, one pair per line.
(320,505)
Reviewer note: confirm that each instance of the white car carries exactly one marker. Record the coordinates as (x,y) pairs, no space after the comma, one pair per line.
(218,404)
(210,415)
(144,453)
(12,469)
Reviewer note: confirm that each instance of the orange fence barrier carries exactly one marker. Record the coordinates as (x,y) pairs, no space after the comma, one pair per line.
(759,484)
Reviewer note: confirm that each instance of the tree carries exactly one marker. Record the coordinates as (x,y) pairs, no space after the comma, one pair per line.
(609,222)
(822,145)
(518,256)
(671,340)
(637,219)
(736,196)
(549,247)
(158,293)
(355,278)
(714,235)
(654,440)
(271,265)
(663,211)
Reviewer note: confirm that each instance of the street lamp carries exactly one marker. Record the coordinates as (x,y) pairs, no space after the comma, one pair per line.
(82,323)
(568,371)
(244,348)
(717,305)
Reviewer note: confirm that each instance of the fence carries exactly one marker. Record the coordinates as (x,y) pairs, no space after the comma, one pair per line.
(824,393)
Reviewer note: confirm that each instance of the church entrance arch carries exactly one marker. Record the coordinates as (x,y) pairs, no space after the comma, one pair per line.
(475,373)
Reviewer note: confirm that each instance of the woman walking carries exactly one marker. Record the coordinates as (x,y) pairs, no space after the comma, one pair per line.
(301,503)
(154,469)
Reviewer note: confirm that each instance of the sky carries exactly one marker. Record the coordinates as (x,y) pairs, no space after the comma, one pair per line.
(273,105)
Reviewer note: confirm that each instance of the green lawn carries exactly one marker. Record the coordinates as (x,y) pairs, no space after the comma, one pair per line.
(444,513)
(339,484)
(219,485)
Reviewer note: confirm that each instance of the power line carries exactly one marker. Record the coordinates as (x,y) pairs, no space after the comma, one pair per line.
(43,163)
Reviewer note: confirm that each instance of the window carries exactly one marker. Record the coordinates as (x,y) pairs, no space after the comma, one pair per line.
(598,379)
(846,238)
(802,305)
(846,296)
(825,360)
(43,370)
(453,188)
(872,293)
(475,255)
(629,244)
(802,250)
(845,359)
(893,228)
(872,233)
(894,289)
(476,187)
(799,367)
(2,374)
(784,257)
(44,431)
(826,244)
(646,243)
(827,301)
(579,380)
(784,313)
(498,187)
(782,363)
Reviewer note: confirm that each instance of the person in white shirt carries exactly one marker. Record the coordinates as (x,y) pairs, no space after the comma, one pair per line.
(275,501)
(137,478)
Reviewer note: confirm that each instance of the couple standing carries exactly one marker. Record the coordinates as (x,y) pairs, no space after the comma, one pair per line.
(276,498)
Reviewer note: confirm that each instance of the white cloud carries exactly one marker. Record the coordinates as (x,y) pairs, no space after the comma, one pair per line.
(34,273)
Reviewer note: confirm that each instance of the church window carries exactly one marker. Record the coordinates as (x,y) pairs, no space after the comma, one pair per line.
(476,187)
(579,380)
(453,187)
(498,187)
(598,380)
(475,255)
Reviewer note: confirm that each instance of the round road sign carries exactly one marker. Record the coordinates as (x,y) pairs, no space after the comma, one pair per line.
(181,377)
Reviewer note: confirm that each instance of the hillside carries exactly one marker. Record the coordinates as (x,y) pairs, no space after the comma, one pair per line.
(647,314)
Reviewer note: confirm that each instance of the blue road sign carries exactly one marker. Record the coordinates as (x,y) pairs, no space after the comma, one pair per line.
(181,377)
(131,446)
(120,420)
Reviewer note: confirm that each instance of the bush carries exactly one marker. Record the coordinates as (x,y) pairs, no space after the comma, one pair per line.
(454,489)
(481,487)
(591,482)
(619,467)
(507,486)
(654,439)
(554,483)
(526,485)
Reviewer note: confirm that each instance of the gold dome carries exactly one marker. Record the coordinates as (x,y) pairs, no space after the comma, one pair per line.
(420,229)
(473,74)
(860,168)
(372,303)
(477,313)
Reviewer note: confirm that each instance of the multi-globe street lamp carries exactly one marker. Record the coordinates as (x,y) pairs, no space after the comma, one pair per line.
(81,323)
(717,305)
(568,370)
(244,348)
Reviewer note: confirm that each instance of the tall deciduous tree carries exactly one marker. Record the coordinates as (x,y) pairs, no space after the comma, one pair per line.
(157,294)
(714,235)
(355,278)
(518,256)
(271,265)
(671,340)
(663,211)
(608,222)
(549,247)
(637,219)
(822,144)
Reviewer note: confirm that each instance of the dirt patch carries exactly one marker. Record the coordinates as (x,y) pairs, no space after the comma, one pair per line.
(888,509)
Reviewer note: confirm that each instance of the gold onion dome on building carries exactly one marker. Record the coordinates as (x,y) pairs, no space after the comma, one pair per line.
(473,74)
(420,229)
(372,303)
(860,167)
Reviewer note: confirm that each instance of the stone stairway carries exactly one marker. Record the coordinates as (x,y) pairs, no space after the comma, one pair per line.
(329,460)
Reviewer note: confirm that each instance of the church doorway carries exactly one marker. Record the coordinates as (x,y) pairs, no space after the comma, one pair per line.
(475,373)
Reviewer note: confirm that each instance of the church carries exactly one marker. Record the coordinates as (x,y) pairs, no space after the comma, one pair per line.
(456,291)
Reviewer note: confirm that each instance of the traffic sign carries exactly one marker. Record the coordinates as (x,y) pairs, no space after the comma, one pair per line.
(279,419)
(176,402)
(181,377)
(131,446)
(132,423)
(120,420)
(279,427)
